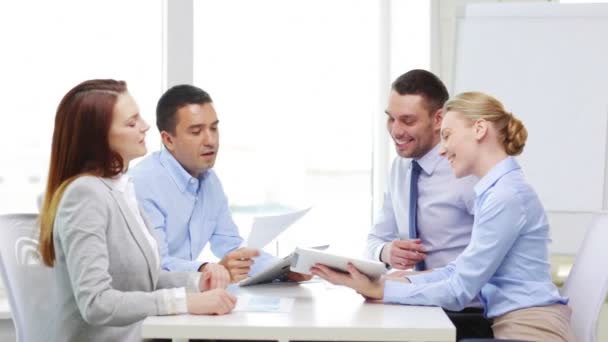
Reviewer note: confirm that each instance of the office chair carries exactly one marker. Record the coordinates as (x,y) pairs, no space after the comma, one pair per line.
(29,284)
(587,283)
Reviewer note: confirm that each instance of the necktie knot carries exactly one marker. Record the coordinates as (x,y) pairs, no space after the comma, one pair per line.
(415,168)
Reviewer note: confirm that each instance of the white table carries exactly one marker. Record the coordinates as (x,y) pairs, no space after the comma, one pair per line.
(320,312)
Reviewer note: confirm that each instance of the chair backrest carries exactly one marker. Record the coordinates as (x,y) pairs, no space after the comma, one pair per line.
(29,284)
(587,283)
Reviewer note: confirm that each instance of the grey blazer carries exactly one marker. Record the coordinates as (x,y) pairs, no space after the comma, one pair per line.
(106,281)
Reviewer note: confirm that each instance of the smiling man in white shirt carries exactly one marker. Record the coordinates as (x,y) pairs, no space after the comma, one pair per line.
(425,224)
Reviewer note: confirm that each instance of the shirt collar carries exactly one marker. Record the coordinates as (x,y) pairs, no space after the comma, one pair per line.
(430,160)
(119,182)
(180,176)
(502,168)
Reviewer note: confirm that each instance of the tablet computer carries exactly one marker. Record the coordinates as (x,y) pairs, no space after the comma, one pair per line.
(275,271)
(304,258)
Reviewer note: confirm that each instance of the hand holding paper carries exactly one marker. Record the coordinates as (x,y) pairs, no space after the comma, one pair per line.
(238,262)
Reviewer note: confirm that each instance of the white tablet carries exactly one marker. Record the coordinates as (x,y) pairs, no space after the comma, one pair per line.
(304,258)
(274,272)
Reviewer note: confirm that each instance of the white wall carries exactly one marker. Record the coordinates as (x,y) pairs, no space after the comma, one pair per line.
(567,226)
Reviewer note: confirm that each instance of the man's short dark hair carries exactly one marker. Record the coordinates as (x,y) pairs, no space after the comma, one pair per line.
(174,99)
(424,83)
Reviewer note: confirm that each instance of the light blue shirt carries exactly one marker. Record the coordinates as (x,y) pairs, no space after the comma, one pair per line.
(186,212)
(445,209)
(507,259)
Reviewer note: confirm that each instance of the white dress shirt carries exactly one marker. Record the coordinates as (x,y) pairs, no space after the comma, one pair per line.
(444,211)
(176,297)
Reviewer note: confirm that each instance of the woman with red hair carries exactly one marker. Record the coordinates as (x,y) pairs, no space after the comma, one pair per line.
(92,232)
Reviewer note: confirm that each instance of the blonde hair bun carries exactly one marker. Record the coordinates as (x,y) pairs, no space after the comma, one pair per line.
(476,105)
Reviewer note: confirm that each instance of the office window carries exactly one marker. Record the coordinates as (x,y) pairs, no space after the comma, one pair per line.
(50,46)
(410,43)
(295,86)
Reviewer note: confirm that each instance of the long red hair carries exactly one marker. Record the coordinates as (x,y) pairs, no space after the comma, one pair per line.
(80,146)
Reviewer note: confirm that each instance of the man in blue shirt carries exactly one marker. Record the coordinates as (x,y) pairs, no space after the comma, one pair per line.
(438,228)
(181,194)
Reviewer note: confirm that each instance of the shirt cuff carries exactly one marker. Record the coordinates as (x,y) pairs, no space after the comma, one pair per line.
(395,291)
(435,275)
(193,282)
(175,299)
(419,278)
(181,265)
(378,252)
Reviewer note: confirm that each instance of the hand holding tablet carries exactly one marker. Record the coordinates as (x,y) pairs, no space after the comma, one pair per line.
(304,258)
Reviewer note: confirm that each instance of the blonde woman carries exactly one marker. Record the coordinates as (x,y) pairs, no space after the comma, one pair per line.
(506,262)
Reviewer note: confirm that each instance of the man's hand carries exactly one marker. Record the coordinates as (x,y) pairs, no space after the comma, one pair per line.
(238,262)
(212,302)
(294,276)
(370,289)
(213,276)
(403,254)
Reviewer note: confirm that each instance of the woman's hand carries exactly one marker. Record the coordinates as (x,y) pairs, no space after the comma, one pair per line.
(212,302)
(213,276)
(370,289)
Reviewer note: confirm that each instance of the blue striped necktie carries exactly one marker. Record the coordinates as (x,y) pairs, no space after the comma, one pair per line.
(415,174)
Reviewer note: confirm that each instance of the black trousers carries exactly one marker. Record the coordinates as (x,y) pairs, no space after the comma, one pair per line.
(470,323)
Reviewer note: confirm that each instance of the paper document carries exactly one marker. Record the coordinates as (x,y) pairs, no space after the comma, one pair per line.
(263,304)
(266,228)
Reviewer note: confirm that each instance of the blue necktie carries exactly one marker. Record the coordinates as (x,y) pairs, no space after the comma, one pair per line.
(414,206)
